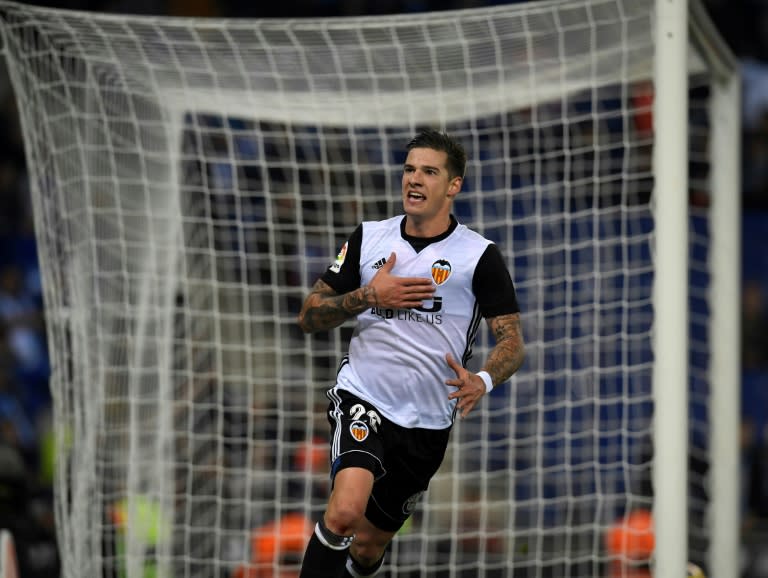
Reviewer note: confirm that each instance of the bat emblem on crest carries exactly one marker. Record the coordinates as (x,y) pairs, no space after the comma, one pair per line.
(359,430)
(441,270)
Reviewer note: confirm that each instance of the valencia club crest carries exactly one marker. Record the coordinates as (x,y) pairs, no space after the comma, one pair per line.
(441,270)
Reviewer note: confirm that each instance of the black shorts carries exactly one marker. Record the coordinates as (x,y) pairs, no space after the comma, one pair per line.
(403,460)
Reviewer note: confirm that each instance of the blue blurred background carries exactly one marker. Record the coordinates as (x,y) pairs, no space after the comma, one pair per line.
(25,403)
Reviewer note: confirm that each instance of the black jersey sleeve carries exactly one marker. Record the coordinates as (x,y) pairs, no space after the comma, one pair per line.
(492,285)
(348,276)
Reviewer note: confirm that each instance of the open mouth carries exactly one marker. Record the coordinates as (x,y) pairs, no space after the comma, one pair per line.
(416,196)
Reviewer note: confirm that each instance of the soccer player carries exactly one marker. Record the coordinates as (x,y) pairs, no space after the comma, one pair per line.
(419,284)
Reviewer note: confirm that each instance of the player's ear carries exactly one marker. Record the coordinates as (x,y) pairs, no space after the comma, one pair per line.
(454,187)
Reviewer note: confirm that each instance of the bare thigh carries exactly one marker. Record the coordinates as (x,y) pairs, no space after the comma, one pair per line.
(349,498)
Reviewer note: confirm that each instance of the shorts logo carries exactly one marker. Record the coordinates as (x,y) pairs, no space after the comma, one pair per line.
(441,270)
(358,412)
(410,504)
(359,430)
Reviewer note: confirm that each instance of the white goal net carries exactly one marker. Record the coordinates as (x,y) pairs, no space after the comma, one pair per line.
(192,178)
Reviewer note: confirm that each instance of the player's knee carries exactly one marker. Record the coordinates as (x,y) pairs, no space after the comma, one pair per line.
(343,517)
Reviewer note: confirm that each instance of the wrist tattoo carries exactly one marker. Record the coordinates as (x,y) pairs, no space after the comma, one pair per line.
(356,301)
(370,296)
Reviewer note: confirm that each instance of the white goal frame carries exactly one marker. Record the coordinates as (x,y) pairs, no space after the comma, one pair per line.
(686,43)
(674,22)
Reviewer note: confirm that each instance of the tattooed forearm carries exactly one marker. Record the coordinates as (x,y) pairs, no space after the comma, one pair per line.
(324,309)
(509,352)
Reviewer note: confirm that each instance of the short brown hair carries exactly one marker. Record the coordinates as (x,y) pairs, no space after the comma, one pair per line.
(440,141)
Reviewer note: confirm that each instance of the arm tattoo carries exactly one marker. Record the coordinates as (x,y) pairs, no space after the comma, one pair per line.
(508,354)
(325,309)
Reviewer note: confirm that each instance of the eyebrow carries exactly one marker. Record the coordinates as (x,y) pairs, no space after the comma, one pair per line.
(410,166)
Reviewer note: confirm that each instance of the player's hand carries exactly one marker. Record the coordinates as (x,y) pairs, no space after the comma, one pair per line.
(470,386)
(400,292)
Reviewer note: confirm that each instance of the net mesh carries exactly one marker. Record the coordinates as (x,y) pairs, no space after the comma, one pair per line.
(192,178)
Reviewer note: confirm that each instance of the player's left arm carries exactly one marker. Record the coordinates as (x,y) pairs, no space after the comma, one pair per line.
(502,362)
(497,298)
(508,354)
(495,292)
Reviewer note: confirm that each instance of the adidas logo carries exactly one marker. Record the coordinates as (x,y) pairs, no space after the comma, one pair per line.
(379,264)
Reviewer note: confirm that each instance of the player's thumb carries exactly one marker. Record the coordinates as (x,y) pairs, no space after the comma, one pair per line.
(390,262)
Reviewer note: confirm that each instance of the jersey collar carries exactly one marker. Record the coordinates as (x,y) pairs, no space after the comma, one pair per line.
(418,243)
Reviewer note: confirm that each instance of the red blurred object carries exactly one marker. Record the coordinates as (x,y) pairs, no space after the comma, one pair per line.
(278,544)
(642,100)
(632,537)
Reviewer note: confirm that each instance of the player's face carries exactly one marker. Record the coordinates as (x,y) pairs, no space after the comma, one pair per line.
(427,188)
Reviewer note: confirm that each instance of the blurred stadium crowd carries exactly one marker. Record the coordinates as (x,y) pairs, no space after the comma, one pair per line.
(25,403)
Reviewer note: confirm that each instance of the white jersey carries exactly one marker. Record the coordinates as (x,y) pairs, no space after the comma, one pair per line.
(396,358)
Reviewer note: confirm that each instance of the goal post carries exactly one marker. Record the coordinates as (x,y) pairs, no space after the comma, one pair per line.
(725,511)
(191,178)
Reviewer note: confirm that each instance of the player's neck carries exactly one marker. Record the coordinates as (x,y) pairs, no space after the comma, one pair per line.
(415,227)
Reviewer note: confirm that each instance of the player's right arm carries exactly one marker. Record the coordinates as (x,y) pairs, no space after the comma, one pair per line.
(326,309)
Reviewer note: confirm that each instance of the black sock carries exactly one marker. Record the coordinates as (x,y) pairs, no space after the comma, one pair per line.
(355,570)
(326,554)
